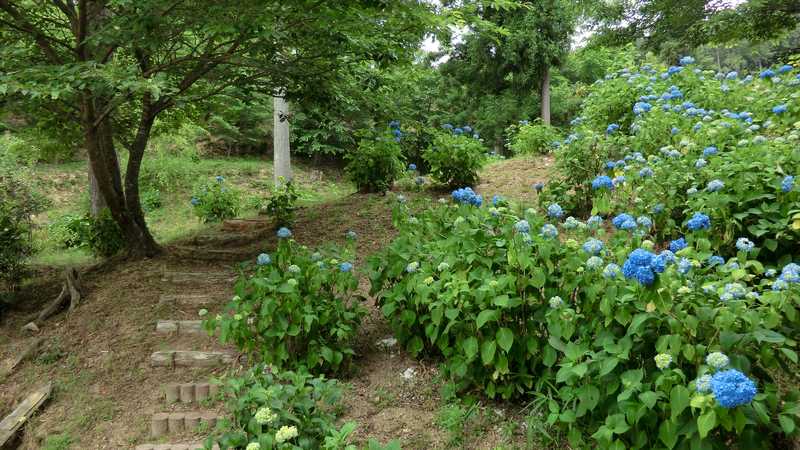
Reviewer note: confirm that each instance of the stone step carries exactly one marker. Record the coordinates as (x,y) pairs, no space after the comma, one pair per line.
(189,300)
(197,277)
(211,254)
(190,358)
(180,327)
(181,422)
(191,446)
(190,392)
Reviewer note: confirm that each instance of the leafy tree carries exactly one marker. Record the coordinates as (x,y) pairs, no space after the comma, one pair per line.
(118,65)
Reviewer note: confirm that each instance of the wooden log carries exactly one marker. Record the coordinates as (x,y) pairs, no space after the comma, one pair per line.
(172,392)
(14,421)
(159,425)
(188,358)
(176,422)
(187,393)
(189,300)
(201,392)
(8,366)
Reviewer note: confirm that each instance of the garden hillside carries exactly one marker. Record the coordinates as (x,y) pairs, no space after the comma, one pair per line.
(385,225)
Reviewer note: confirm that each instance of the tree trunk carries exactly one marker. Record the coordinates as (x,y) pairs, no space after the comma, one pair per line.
(546,96)
(280,132)
(98,203)
(125,209)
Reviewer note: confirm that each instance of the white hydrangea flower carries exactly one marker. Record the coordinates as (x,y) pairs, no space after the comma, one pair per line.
(286,433)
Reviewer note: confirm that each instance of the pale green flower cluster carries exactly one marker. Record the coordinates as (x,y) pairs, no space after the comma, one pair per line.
(663,360)
(286,433)
(265,416)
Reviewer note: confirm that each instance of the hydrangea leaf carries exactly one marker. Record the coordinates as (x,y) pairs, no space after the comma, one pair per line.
(706,422)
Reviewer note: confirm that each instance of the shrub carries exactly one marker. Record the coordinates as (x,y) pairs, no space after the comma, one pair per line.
(375,164)
(279,410)
(214,201)
(298,309)
(151,200)
(609,339)
(99,235)
(17,203)
(532,138)
(454,159)
(281,204)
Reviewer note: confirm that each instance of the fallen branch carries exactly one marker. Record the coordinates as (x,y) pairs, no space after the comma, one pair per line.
(10,364)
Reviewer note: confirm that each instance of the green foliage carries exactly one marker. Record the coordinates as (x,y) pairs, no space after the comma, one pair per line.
(61,441)
(151,200)
(532,138)
(375,164)
(263,401)
(214,201)
(31,145)
(18,202)
(281,204)
(516,314)
(454,159)
(100,235)
(298,309)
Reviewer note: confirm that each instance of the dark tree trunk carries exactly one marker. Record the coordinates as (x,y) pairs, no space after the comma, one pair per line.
(124,206)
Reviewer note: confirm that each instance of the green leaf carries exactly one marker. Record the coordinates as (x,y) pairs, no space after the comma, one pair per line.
(769,336)
(790,354)
(505,338)
(470,346)
(649,398)
(488,349)
(485,316)
(678,400)
(787,423)
(538,277)
(668,433)
(706,422)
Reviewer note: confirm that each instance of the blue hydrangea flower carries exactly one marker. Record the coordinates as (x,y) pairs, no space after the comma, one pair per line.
(791,273)
(612,128)
(715,260)
(699,221)
(710,151)
(744,245)
(646,172)
(195,201)
(639,266)
(345,267)
(284,233)
(571,223)
(220,178)
(715,185)
(732,388)
(675,131)
(732,75)
(522,226)
(686,60)
(780,109)
(645,222)
(787,184)
(263,259)
(593,246)
(602,182)
(624,221)
(700,163)
(785,68)
(611,271)
(610,165)
(447,126)
(538,186)
(770,273)
(769,73)
(467,129)
(549,231)
(412,167)
(555,211)
(733,291)
(458,131)
(620,179)
(684,266)
(678,245)
(467,196)
(658,209)
(594,221)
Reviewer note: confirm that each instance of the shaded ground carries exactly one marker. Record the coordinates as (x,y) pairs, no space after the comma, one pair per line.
(514,178)
(106,391)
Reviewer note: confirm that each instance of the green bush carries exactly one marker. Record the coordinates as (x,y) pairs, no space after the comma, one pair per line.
(281,204)
(17,203)
(30,145)
(515,312)
(454,159)
(279,410)
(99,235)
(375,164)
(298,309)
(214,201)
(532,138)
(151,200)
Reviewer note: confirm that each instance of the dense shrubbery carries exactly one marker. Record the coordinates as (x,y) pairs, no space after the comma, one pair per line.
(100,235)
(298,309)
(680,134)
(376,163)
(214,201)
(610,338)
(17,203)
(455,157)
(527,138)
(281,204)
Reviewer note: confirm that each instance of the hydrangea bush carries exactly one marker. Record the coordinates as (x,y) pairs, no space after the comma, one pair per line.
(376,163)
(214,201)
(530,138)
(297,309)
(691,140)
(612,336)
(454,158)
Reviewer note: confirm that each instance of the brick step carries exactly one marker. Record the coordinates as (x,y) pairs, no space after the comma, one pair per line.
(191,358)
(180,422)
(190,392)
(189,300)
(191,446)
(194,327)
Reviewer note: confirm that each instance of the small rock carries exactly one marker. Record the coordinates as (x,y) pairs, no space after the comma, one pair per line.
(409,373)
(31,327)
(388,342)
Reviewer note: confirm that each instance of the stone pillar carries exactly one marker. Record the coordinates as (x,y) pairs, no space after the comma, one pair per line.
(283,165)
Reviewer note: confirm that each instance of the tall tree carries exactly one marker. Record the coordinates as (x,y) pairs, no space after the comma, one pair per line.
(119,64)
